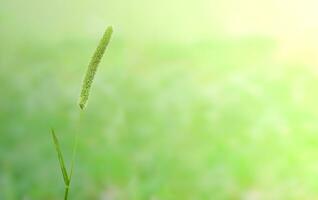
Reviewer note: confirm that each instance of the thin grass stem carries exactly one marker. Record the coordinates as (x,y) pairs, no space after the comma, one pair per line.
(67,187)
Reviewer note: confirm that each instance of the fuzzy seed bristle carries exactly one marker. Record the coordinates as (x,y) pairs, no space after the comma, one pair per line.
(92,67)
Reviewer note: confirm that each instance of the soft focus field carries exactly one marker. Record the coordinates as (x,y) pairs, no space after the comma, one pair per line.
(193,100)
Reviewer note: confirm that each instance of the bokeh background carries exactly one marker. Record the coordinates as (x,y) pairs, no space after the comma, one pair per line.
(197,99)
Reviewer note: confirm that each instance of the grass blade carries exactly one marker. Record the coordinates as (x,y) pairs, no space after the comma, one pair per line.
(60,157)
(92,67)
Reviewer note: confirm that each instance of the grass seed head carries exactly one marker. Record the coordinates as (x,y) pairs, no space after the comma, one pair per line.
(92,67)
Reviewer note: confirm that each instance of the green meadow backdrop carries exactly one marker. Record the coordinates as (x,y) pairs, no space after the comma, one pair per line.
(193,100)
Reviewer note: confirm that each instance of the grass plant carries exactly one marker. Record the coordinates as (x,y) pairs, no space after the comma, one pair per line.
(87,83)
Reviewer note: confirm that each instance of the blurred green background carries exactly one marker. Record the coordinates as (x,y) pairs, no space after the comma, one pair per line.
(198,99)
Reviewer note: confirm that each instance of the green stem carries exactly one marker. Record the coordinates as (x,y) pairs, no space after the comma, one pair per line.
(66,191)
(79,119)
(67,186)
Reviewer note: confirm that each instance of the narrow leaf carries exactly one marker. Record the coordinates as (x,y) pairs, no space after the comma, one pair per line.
(92,67)
(60,157)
